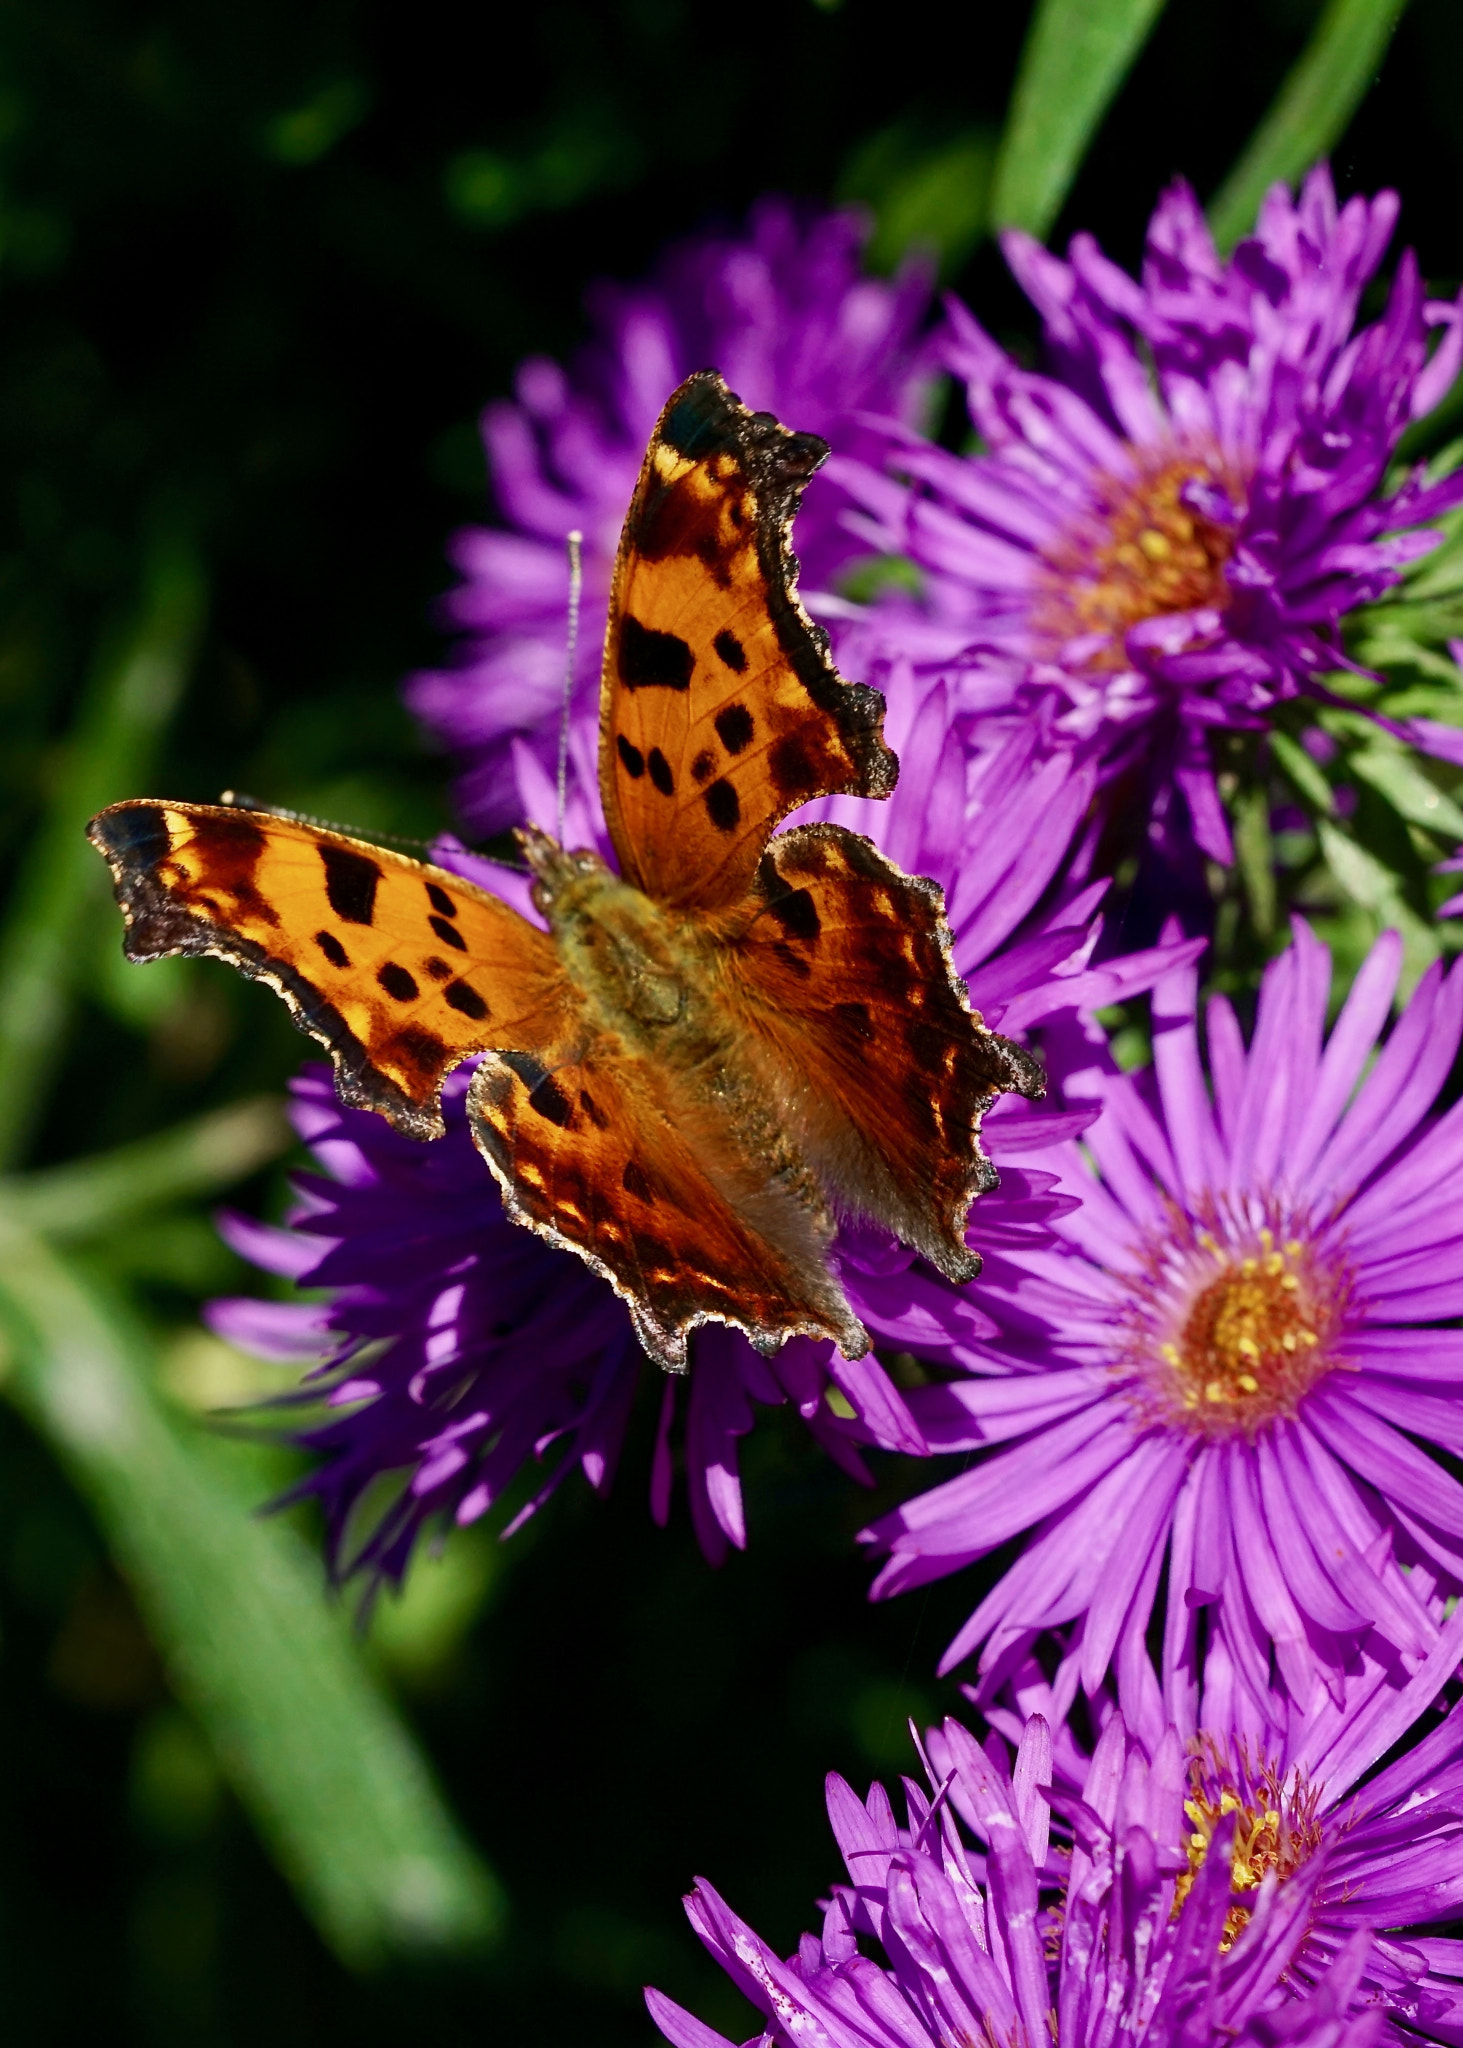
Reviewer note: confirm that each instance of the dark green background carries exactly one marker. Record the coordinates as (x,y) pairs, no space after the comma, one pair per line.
(260,267)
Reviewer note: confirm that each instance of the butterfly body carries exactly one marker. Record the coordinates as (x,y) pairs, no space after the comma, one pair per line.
(698,1063)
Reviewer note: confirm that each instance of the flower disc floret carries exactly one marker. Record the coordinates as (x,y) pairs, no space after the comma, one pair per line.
(1274,1815)
(1155,541)
(1231,1325)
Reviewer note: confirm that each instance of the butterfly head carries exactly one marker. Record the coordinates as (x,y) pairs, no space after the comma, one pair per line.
(559,876)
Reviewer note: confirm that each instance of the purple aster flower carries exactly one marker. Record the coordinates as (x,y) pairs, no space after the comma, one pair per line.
(1162,536)
(784,313)
(1305,1796)
(456,1347)
(1229,1376)
(1109,1934)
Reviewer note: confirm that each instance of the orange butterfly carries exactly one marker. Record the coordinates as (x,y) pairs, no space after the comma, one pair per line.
(706,1057)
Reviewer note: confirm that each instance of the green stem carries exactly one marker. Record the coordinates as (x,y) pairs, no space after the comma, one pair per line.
(134,687)
(1311,111)
(314,1748)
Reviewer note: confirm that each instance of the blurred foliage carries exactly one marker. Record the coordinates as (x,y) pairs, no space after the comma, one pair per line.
(1077,54)
(1312,110)
(259,271)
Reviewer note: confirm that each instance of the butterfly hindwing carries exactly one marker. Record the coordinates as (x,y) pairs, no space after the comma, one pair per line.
(720,710)
(844,967)
(399,969)
(587,1157)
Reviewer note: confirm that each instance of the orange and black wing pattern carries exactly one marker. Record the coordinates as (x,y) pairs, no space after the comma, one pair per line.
(587,1156)
(844,970)
(720,710)
(399,969)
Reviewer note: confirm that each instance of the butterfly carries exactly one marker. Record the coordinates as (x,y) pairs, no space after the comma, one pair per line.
(706,1058)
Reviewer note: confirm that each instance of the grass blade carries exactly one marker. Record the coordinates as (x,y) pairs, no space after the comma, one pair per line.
(1077,54)
(88,1196)
(1311,111)
(311,1743)
(134,686)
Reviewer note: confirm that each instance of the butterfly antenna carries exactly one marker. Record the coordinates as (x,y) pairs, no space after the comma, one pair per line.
(240,800)
(575,543)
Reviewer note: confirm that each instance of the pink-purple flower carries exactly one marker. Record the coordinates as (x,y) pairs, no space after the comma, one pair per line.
(1312,1792)
(783,311)
(1162,534)
(1225,1403)
(1102,1929)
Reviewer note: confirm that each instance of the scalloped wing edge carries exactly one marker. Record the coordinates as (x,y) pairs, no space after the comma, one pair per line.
(665,1342)
(157,928)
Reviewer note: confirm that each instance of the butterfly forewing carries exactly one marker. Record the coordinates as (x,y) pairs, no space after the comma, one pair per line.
(720,710)
(399,969)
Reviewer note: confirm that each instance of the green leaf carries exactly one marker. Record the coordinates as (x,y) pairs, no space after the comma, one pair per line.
(307,133)
(1407,789)
(1374,886)
(1255,857)
(1077,54)
(317,1753)
(930,194)
(89,1196)
(134,687)
(1311,111)
(1302,771)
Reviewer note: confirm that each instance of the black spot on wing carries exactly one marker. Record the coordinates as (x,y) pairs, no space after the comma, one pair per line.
(438,969)
(790,765)
(549,1101)
(797,913)
(731,651)
(448,933)
(463,997)
(440,900)
(651,660)
(734,727)
(139,830)
(704,764)
(397,983)
(529,1070)
(229,838)
(333,950)
(723,805)
(350,882)
(545,1096)
(634,1182)
(420,1049)
(593,1111)
(228,848)
(631,757)
(929,1045)
(701,418)
(660,772)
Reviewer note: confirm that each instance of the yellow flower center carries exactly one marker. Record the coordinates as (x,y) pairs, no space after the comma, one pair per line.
(1224,1337)
(1157,542)
(1276,1827)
